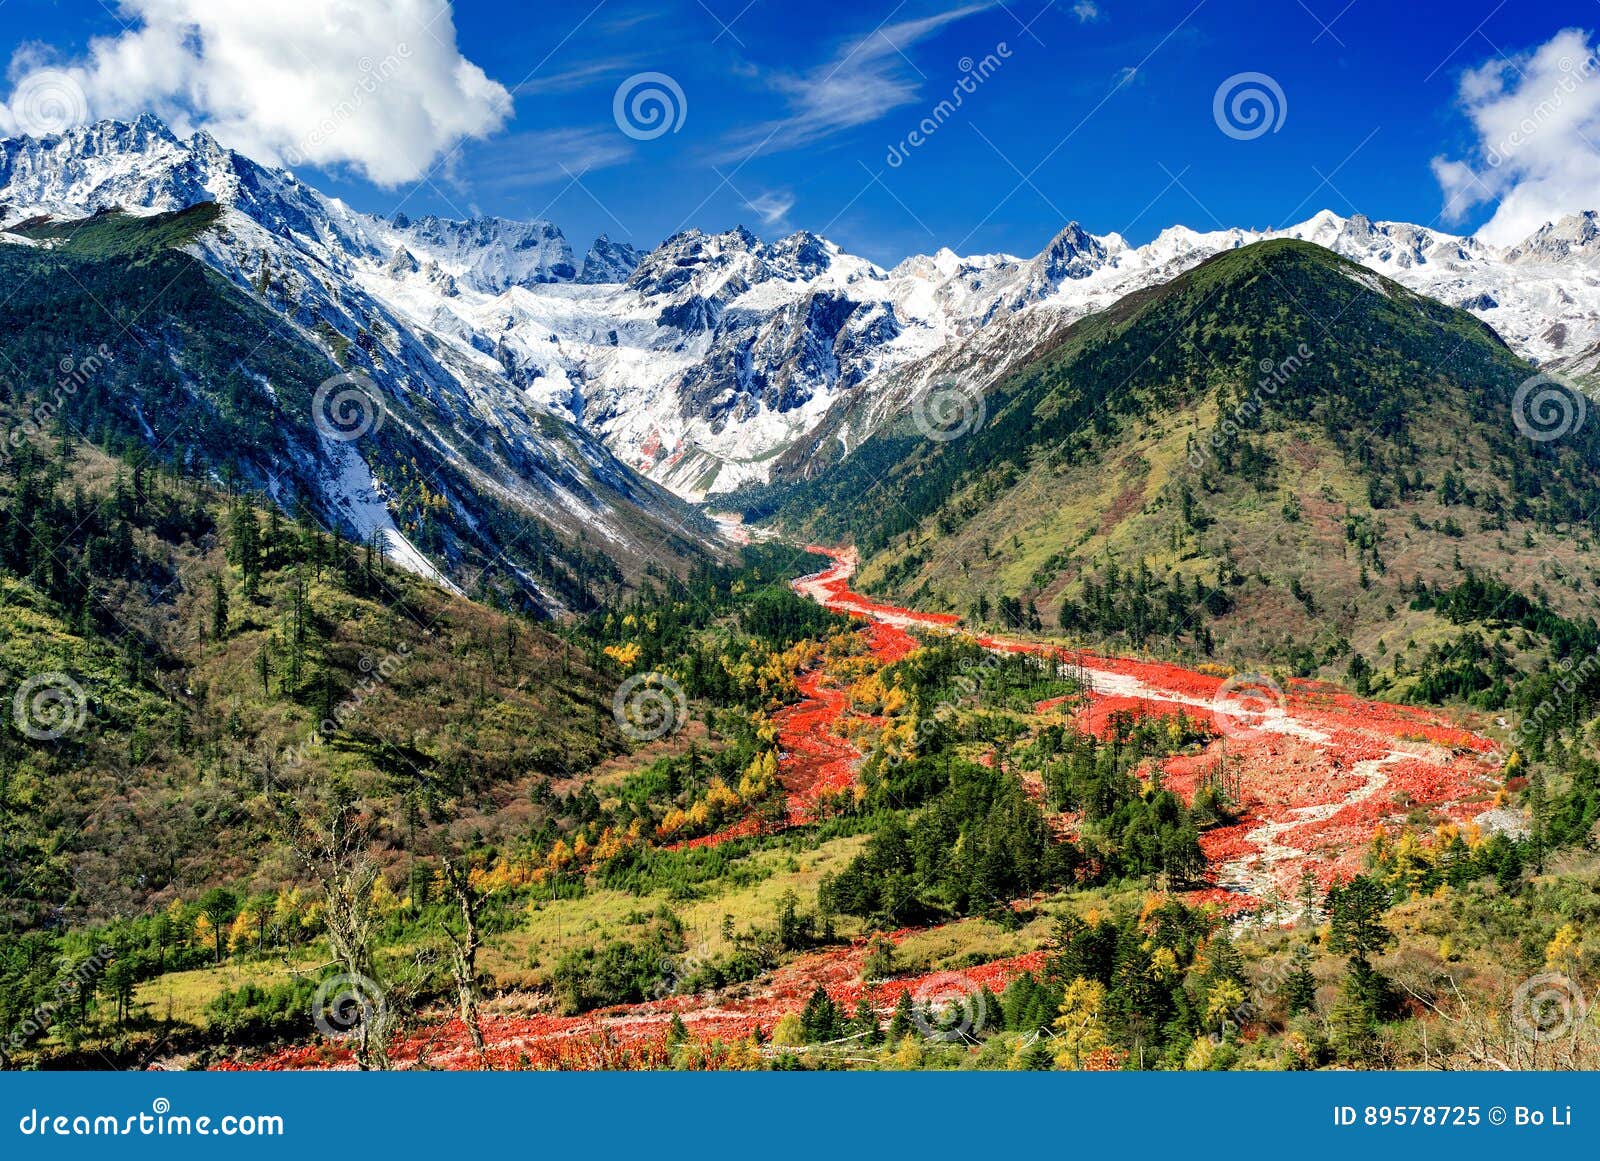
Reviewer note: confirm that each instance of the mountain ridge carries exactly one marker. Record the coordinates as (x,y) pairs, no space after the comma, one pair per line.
(714,367)
(1277,428)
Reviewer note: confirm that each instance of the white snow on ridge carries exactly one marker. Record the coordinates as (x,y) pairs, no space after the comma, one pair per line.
(358,495)
(720,352)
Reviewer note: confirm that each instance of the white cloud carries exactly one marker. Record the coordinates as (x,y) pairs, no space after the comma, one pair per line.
(376,85)
(771,207)
(1087,11)
(1536,119)
(866,79)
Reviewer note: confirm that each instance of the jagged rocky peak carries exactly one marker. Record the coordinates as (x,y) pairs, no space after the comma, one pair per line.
(609,261)
(139,165)
(802,255)
(493,254)
(1387,242)
(403,262)
(700,263)
(1574,236)
(1072,253)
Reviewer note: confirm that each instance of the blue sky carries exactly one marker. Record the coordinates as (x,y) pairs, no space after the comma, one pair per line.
(1095,110)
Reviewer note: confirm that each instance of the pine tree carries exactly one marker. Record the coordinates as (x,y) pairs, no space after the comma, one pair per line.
(820,1018)
(1537,820)
(904,1021)
(244,549)
(865,1022)
(1355,912)
(1309,894)
(1300,990)
(219,608)
(1364,1000)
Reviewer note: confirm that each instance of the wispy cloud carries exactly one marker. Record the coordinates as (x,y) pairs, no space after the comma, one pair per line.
(867,78)
(772,207)
(1087,11)
(579,76)
(541,156)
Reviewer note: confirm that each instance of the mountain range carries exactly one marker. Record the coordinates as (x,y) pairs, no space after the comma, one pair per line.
(708,364)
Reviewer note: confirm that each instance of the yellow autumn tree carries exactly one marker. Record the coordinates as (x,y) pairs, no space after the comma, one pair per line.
(242,932)
(204,933)
(625,655)
(1078,1022)
(1224,999)
(288,912)
(1564,953)
(789,1032)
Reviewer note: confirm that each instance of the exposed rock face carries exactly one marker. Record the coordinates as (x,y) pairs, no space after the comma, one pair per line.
(718,358)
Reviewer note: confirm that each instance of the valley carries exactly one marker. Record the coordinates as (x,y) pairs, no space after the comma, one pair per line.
(1191,667)
(1319,775)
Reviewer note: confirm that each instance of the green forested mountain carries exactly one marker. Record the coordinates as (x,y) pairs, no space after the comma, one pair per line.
(181,660)
(1268,458)
(111,331)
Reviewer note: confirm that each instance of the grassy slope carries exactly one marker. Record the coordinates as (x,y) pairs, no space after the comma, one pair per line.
(175,362)
(1086,454)
(161,792)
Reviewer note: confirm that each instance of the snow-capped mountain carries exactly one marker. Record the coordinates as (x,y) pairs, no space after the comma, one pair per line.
(491,254)
(715,360)
(377,297)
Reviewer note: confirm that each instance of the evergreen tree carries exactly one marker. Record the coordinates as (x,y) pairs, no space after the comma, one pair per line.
(1300,990)
(820,1018)
(1355,913)
(219,608)
(903,1022)
(244,549)
(865,1022)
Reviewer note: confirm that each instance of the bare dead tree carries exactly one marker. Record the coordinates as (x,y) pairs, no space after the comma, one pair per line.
(334,850)
(464,951)
(1493,1038)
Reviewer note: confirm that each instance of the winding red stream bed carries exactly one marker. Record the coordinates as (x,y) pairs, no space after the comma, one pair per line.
(1319,771)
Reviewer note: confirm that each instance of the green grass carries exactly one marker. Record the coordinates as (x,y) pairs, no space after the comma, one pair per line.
(124,236)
